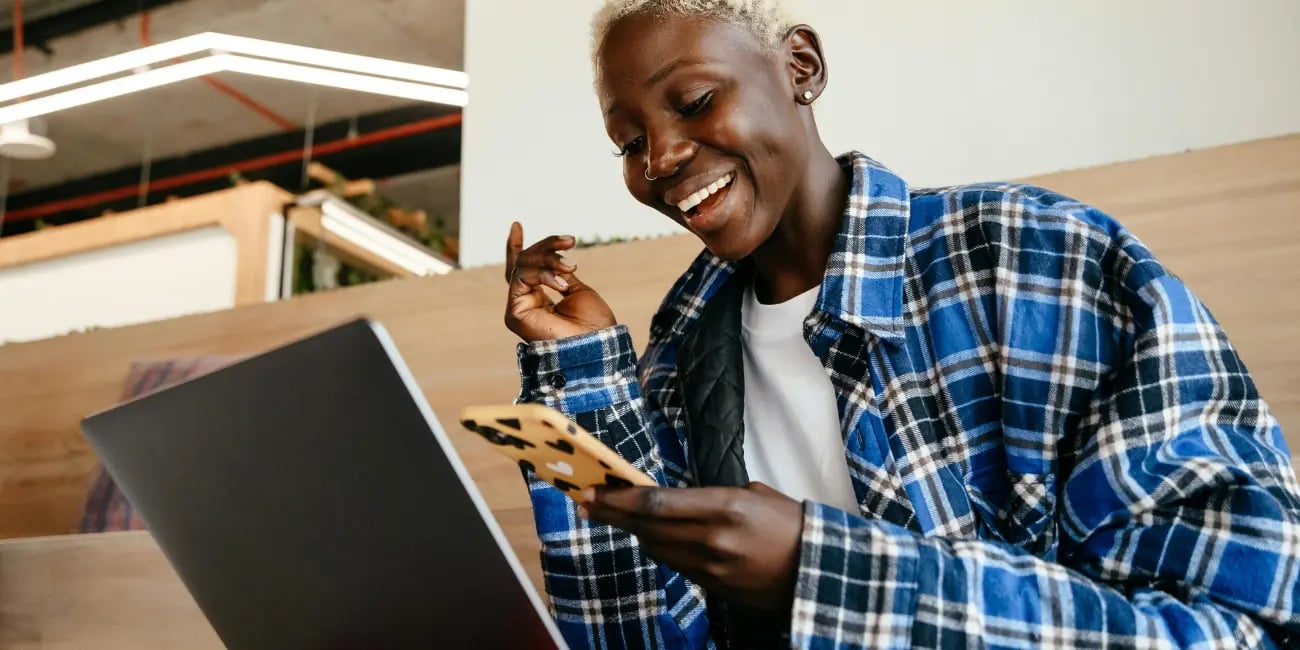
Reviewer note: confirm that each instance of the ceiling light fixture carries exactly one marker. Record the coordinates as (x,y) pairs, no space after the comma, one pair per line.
(368,233)
(345,80)
(339,60)
(116,64)
(110,89)
(224,52)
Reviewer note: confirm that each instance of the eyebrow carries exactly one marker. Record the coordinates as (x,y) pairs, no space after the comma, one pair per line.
(661,74)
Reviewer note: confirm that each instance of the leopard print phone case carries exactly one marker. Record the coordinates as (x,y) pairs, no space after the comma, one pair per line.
(543,441)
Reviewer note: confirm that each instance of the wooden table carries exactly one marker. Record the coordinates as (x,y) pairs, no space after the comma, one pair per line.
(106,591)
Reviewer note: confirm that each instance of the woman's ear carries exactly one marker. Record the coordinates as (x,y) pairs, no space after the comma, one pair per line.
(806,63)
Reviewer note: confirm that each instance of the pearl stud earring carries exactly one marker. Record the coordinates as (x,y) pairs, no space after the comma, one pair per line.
(807,95)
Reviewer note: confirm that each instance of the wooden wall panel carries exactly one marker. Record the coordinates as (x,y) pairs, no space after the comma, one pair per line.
(448,329)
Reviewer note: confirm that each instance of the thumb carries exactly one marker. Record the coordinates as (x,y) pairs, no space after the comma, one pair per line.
(514,244)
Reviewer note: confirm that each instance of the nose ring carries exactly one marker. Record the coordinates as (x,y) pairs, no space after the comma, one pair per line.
(648,176)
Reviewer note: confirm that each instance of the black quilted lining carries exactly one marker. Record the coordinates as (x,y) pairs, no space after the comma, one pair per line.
(710,368)
(712,375)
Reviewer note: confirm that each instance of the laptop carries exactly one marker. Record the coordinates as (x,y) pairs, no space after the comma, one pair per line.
(308,498)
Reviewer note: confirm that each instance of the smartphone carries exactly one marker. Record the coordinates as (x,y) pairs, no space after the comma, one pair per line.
(545,442)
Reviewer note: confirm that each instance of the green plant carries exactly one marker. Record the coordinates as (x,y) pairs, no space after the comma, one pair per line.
(428,230)
(304,277)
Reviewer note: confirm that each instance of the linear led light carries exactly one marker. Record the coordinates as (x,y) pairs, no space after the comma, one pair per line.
(113,88)
(215,43)
(415,264)
(222,63)
(361,232)
(340,60)
(126,61)
(346,80)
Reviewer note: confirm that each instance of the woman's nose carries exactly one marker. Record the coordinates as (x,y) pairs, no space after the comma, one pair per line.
(668,157)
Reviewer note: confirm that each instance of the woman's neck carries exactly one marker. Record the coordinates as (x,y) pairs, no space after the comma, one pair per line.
(793,260)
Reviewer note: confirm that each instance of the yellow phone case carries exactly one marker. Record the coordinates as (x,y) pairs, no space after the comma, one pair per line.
(544,441)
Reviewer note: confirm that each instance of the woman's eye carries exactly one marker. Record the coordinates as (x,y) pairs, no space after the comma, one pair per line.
(632,148)
(696,107)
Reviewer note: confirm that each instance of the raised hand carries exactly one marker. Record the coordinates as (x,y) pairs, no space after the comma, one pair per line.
(530,312)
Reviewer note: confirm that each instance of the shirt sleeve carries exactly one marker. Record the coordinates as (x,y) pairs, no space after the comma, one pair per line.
(1179,524)
(605,591)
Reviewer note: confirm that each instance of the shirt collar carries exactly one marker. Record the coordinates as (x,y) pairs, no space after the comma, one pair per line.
(863,284)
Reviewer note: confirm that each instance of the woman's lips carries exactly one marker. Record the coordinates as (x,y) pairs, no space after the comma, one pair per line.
(695,198)
(710,214)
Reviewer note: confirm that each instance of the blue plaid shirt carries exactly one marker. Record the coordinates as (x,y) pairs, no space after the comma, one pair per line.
(1052,442)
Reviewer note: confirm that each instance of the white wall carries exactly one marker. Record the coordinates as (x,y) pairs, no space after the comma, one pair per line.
(148,280)
(942,92)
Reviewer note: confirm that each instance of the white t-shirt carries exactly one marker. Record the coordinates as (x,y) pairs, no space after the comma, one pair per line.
(792,426)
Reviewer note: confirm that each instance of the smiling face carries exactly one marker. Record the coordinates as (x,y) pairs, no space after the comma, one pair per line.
(710,112)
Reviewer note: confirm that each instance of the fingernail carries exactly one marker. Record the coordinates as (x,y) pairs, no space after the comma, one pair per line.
(560,281)
(568,262)
(582,512)
(567,238)
(588,495)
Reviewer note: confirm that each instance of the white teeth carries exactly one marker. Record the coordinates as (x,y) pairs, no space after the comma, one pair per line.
(698,197)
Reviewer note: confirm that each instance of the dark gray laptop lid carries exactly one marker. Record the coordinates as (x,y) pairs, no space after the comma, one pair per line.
(308,498)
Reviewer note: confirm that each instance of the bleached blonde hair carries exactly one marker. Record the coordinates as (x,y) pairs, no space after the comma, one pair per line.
(769,20)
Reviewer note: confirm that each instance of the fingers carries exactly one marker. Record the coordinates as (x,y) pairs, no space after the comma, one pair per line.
(697,549)
(543,253)
(691,535)
(546,249)
(611,505)
(560,263)
(542,264)
(527,278)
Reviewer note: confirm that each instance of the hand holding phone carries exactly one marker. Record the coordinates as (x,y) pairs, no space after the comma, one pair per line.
(546,443)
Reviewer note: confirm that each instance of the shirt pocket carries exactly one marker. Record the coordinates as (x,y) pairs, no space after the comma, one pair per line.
(1016,508)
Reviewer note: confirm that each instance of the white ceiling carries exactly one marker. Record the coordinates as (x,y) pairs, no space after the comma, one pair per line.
(192,116)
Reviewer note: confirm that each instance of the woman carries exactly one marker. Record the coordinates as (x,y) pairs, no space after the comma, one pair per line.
(977,415)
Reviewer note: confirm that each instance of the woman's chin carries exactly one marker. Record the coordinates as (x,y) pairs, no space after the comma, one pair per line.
(729,236)
(739,239)
(731,249)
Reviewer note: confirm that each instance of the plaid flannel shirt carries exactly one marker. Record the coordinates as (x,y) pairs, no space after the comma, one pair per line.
(1052,442)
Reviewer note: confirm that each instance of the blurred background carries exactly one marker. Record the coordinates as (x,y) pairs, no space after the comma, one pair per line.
(187,182)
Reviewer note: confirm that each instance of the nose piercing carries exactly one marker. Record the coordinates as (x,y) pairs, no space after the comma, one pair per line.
(648,163)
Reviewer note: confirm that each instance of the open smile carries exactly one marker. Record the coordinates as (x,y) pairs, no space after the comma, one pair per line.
(704,194)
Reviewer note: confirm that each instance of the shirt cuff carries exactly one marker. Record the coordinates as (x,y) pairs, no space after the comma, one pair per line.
(580,373)
(857,580)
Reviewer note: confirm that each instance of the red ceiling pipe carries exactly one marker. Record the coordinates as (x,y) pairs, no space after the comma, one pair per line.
(249,103)
(245,100)
(18,39)
(212,173)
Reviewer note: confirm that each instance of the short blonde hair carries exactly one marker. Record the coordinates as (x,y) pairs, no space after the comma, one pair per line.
(769,20)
